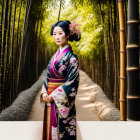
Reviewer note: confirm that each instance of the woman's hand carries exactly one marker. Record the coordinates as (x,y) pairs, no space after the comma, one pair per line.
(50,98)
(47,98)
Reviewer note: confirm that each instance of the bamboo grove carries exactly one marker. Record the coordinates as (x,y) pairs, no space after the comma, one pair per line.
(20,27)
(26,46)
(105,70)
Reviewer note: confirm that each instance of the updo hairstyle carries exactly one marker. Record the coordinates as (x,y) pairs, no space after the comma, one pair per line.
(65,27)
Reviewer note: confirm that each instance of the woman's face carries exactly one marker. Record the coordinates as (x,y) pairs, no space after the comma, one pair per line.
(59,36)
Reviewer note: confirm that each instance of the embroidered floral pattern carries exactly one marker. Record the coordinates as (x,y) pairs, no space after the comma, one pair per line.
(54,133)
(72,129)
(61,101)
(72,60)
(73,94)
(73,122)
(63,67)
(72,132)
(64,96)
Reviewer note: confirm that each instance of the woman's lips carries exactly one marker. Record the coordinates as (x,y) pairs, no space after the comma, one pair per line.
(57,41)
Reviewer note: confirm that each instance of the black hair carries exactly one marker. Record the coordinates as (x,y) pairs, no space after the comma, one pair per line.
(65,27)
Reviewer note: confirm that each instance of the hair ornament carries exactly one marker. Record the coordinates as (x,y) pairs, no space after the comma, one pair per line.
(73,29)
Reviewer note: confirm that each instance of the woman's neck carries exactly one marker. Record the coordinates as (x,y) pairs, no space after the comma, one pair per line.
(63,45)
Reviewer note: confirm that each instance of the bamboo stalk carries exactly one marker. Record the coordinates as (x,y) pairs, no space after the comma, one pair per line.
(2,11)
(12,55)
(7,65)
(8,35)
(17,47)
(133,95)
(59,10)
(122,62)
(3,47)
(22,42)
(1,21)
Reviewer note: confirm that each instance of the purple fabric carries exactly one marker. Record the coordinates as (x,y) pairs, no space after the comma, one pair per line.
(57,53)
(53,71)
(62,53)
(44,124)
(52,120)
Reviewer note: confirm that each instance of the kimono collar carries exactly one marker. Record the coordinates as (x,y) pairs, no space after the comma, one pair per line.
(56,59)
(66,46)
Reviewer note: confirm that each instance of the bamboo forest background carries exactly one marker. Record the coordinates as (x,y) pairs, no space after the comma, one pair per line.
(26,45)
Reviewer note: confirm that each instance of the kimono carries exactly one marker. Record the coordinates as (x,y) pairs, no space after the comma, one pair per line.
(64,68)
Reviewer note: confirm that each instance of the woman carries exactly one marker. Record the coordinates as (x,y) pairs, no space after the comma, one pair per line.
(61,85)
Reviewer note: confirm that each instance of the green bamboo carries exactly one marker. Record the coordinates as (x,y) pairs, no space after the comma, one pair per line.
(17,49)
(7,71)
(24,37)
(1,21)
(59,10)
(8,34)
(12,95)
(3,47)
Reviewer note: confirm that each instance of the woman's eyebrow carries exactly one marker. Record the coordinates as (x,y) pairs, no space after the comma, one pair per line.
(58,31)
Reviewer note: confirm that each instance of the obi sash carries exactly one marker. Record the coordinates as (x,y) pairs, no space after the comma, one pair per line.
(50,118)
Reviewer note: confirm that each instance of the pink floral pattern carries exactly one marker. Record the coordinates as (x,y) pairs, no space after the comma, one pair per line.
(73,133)
(64,95)
(54,133)
(73,122)
(73,28)
(63,67)
(61,101)
(72,60)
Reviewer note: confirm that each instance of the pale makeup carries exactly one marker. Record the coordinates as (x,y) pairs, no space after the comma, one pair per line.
(60,37)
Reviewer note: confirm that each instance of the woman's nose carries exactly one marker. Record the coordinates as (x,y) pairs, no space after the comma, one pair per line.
(57,36)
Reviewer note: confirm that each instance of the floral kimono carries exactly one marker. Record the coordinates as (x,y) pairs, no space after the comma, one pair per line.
(62,75)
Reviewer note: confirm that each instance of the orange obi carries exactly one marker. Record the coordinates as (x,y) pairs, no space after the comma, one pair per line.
(52,86)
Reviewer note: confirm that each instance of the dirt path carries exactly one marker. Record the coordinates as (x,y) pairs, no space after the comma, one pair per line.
(84,110)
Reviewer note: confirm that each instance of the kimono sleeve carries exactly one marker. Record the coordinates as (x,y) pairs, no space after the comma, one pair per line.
(64,95)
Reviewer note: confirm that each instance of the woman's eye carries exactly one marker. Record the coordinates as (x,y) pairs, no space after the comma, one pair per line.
(60,33)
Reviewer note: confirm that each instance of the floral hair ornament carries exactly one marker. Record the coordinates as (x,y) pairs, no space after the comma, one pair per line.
(73,29)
